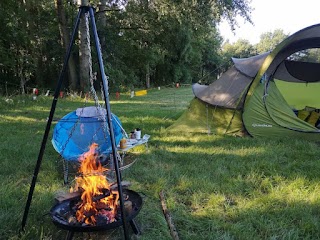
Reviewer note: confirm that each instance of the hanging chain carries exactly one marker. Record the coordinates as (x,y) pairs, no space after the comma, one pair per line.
(118,123)
(73,129)
(92,78)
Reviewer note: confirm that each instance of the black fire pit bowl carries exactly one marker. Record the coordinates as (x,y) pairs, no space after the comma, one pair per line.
(64,207)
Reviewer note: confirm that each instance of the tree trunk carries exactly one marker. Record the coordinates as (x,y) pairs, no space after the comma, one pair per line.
(20,71)
(102,21)
(84,51)
(22,80)
(65,39)
(147,76)
(22,52)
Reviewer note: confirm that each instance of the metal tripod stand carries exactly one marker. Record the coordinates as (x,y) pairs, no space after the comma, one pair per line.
(82,10)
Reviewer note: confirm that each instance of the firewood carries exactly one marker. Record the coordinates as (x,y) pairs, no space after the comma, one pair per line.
(128,207)
(172,228)
(105,193)
(60,197)
(67,196)
(114,186)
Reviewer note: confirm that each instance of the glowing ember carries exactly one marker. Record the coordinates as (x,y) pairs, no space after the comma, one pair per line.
(96,198)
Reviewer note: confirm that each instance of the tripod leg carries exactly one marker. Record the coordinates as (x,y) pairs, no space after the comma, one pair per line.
(47,130)
(70,235)
(135,227)
(112,138)
(65,172)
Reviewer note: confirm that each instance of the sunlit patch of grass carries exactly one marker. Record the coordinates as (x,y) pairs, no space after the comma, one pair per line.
(219,150)
(18,119)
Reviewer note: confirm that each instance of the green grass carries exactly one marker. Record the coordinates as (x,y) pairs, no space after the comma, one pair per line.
(216,187)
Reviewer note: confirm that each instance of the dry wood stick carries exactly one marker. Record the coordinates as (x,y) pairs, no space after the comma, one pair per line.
(167,215)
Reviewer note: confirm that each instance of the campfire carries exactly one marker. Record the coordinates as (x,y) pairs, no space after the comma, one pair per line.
(97,199)
(93,203)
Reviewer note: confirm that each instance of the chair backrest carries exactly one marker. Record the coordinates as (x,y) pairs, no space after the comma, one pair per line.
(74,133)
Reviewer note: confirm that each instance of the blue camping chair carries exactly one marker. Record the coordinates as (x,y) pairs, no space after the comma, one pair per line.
(76,131)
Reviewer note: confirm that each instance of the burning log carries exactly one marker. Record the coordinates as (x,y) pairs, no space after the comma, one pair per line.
(77,194)
(102,205)
(105,193)
(96,196)
(64,214)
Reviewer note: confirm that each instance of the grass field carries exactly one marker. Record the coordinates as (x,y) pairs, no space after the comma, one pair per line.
(216,187)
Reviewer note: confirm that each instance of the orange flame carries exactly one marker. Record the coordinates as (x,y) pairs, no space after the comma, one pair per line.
(93,184)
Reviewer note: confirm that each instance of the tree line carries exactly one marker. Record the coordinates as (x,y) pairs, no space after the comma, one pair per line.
(145,43)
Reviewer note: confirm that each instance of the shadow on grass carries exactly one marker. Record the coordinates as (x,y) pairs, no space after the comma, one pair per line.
(264,191)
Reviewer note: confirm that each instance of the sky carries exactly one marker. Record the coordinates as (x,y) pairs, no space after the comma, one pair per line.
(269,15)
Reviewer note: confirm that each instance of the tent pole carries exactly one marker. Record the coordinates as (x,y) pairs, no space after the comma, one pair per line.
(207,112)
(48,126)
(230,122)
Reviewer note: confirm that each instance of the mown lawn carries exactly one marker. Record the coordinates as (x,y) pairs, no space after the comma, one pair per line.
(216,187)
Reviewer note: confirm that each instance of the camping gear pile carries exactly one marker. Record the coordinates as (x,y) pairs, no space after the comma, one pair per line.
(269,95)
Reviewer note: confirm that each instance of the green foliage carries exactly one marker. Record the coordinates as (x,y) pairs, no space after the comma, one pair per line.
(240,49)
(163,40)
(243,48)
(308,55)
(29,37)
(269,40)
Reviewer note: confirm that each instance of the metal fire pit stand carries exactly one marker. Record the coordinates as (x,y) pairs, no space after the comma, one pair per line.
(82,10)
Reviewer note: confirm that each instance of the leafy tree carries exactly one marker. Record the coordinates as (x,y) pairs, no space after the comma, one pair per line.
(174,37)
(307,55)
(269,40)
(29,43)
(240,49)
(144,42)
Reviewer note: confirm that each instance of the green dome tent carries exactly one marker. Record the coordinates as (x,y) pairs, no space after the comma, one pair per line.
(270,94)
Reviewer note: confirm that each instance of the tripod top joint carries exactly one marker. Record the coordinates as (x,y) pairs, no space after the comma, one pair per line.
(84,3)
